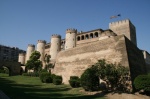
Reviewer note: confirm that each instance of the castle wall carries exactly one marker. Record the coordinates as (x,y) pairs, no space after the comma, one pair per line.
(41,48)
(136,60)
(30,49)
(55,46)
(70,38)
(21,58)
(82,42)
(147,60)
(73,62)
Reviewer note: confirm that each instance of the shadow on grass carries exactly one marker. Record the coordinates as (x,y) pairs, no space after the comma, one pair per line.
(24,91)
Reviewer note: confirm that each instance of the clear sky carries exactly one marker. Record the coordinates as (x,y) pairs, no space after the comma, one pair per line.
(23,22)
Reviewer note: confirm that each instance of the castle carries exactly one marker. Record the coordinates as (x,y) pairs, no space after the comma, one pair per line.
(79,50)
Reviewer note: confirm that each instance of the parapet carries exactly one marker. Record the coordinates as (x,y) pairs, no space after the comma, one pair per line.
(31,45)
(120,22)
(55,36)
(41,41)
(71,30)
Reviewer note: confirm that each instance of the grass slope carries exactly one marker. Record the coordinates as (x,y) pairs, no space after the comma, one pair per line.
(23,87)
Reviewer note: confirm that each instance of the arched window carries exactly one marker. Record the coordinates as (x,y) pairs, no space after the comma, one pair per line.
(78,38)
(96,34)
(91,35)
(82,37)
(86,36)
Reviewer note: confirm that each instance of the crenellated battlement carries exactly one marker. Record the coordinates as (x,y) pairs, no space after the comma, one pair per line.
(71,30)
(55,36)
(41,41)
(31,45)
(119,22)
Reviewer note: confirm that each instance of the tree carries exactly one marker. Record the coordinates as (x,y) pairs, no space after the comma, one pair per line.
(89,79)
(48,65)
(114,75)
(34,62)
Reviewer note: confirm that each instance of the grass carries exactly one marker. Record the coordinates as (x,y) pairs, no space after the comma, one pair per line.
(24,87)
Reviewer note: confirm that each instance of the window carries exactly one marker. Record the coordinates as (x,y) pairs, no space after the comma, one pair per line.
(96,34)
(91,35)
(86,36)
(82,37)
(78,38)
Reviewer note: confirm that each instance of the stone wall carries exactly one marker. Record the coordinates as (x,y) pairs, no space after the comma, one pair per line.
(14,67)
(73,62)
(136,60)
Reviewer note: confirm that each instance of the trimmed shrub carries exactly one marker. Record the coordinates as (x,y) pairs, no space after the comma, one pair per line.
(53,75)
(45,77)
(89,80)
(31,74)
(57,80)
(142,82)
(25,74)
(74,81)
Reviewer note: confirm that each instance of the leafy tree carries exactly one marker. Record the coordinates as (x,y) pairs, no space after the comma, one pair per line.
(48,65)
(34,62)
(114,75)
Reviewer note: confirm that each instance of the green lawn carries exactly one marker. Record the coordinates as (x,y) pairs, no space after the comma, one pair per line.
(23,87)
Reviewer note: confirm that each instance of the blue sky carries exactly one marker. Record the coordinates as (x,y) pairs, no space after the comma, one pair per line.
(23,22)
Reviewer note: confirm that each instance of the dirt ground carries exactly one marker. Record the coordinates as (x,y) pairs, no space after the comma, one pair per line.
(117,95)
(126,96)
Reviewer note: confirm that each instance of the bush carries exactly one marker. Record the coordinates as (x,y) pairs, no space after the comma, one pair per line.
(142,82)
(25,74)
(45,77)
(2,71)
(74,81)
(31,74)
(89,80)
(57,80)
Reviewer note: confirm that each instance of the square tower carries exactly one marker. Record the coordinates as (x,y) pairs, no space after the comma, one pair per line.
(124,27)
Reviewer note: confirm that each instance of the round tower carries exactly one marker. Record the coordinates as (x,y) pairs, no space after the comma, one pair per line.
(55,46)
(21,58)
(41,48)
(30,49)
(70,38)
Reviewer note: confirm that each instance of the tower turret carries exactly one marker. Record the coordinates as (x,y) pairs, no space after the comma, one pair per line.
(55,46)
(30,49)
(124,27)
(41,48)
(21,58)
(70,38)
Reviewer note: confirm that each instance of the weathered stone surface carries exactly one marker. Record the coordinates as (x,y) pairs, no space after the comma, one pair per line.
(73,62)
(136,60)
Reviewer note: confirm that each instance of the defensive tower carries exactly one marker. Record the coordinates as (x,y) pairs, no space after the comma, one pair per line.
(124,27)
(30,49)
(70,38)
(21,58)
(55,46)
(41,48)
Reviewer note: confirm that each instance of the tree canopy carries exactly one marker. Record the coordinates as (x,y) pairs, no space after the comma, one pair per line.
(34,62)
